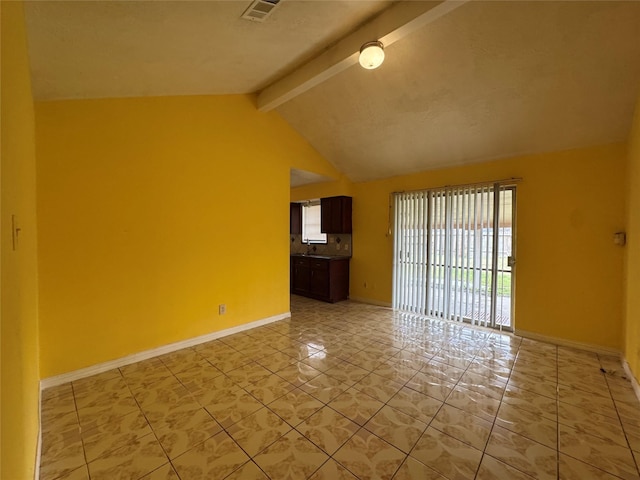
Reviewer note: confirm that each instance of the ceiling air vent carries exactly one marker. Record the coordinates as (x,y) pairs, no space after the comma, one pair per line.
(259,10)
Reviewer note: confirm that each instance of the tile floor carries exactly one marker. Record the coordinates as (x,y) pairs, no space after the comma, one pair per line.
(349,391)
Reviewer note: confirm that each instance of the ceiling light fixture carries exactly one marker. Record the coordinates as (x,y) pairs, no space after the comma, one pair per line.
(371,55)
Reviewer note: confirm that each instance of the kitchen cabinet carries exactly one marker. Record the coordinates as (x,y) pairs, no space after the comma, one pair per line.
(335,214)
(295,218)
(319,277)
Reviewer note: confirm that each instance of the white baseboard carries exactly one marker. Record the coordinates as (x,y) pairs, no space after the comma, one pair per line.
(568,343)
(370,301)
(632,377)
(154,352)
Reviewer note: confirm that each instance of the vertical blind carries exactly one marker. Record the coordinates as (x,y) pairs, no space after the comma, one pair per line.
(453,253)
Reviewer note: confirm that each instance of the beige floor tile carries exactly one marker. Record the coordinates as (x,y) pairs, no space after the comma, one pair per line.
(103,394)
(298,373)
(291,457)
(57,422)
(106,438)
(165,472)
(411,469)
(276,361)
(332,470)
(164,416)
(196,377)
(369,457)
(68,435)
(448,456)
(572,469)
(492,469)
(378,387)
(532,402)
(60,459)
(629,411)
(588,401)
(81,473)
(295,406)
(56,406)
(249,471)
(430,385)
(586,421)
(94,382)
(528,424)
(474,403)
(324,387)
(166,391)
(394,373)
(632,432)
(483,385)
(347,373)
(269,389)
(322,361)
(134,460)
(523,454)
(53,393)
(257,431)
(397,428)
(214,459)
(248,374)
(597,452)
(356,406)
(328,429)
(547,389)
(446,373)
(143,374)
(415,404)
(186,432)
(397,370)
(93,416)
(230,406)
(182,360)
(368,361)
(462,426)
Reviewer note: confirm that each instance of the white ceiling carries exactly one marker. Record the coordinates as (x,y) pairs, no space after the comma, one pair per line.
(487,80)
(102,49)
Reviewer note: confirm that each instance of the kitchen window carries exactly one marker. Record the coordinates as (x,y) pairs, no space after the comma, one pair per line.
(311,224)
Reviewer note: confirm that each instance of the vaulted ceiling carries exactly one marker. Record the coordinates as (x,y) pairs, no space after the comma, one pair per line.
(485,80)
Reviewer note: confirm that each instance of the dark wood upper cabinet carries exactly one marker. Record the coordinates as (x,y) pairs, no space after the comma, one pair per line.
(335,214)
(296,218)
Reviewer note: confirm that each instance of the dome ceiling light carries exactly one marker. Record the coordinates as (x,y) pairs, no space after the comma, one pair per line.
(371,55)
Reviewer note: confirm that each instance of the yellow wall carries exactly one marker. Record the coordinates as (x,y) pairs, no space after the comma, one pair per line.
(569,272)
(632,260)
(19,331)
(154,211)
(342,186)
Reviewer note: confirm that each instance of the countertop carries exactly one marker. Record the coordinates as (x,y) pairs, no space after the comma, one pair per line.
(323,257)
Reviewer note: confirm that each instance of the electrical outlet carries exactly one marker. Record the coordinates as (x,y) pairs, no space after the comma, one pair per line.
(222,309)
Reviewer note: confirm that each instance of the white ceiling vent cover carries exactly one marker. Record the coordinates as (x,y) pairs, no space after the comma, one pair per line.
(259,10)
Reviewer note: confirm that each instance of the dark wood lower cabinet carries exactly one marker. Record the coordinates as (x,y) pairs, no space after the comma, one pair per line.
(325,278)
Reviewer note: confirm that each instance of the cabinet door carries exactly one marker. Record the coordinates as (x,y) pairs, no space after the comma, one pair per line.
(300,279)
(295,210)
(319,282)
(326,215)
(300,275)
(335,214)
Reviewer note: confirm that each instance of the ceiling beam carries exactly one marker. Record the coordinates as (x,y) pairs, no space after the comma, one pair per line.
(395,23)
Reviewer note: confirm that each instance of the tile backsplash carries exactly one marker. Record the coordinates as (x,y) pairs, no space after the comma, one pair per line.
(337,244)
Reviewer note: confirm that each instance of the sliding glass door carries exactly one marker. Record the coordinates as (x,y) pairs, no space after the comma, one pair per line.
(453,253)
